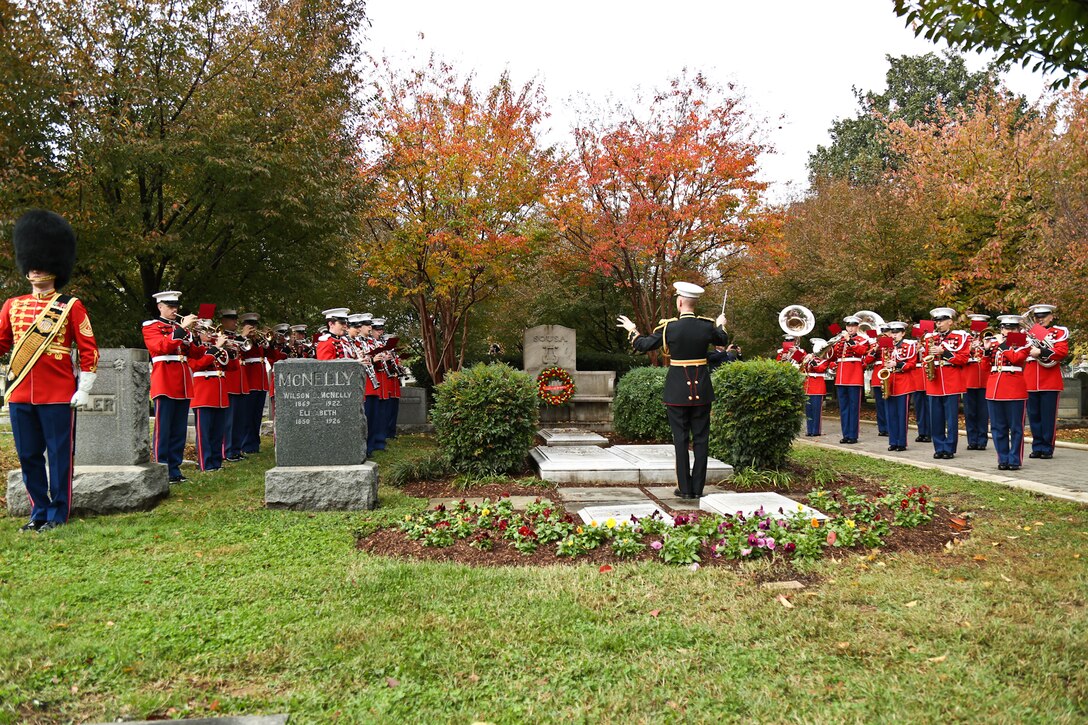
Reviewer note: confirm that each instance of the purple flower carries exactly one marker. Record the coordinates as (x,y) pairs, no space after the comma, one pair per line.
(781,523)
(752,538)
(764,524)
(725,525)
(680,520)
(760,513)
(781,511)
(770,543)
(656,545)
(745,552)
(760,543)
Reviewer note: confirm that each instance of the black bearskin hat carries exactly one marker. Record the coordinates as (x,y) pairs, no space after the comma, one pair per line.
(45,242)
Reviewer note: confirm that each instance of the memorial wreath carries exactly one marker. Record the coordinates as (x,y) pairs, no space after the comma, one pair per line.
(555,386)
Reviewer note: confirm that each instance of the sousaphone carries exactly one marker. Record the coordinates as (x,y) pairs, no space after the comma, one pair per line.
(796,320)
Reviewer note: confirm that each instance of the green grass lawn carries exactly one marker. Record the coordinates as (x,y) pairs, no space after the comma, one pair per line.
(211,604)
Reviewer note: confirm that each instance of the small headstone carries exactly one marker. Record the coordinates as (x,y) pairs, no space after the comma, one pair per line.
(571,437)
(547,346)
(602,493)
(657,464)
(320,438)
(621,512)
(728,504)
(666,495)
(412,415)
(583,464)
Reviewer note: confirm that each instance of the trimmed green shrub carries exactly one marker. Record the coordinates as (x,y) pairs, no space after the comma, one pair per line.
(637,410)
(758,410)
(485,418)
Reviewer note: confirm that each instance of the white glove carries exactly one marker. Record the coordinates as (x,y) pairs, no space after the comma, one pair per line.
(83,392)
(720,322)
(625,323)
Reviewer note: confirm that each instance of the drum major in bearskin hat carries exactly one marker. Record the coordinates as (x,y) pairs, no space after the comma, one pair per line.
(45,242)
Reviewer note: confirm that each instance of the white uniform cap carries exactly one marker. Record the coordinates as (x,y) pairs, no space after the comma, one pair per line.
(323,329)
(298,328)
(852,320)
(379,322)
(788,338)
(1043,309)
(336,313)
(250,317)
(368,319)
(897,326)
(978,317)
(1010,319)
(228,313)
(170,297)
(938,312)
(282,327)
(356,319)
(688,290)
(204,325)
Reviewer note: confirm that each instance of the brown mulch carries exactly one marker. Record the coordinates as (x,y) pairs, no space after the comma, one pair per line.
(391,542)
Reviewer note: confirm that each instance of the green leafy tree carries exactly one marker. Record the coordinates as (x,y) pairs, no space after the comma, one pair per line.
(200,145)
(1049,35)
(918,88)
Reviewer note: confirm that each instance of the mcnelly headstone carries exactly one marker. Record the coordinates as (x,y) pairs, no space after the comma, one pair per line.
(320,438)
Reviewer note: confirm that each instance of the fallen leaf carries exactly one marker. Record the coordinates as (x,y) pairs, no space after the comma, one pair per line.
(913,603)
(655,612)
(605,568)
(199,554)
(109,624)
(1076,556)
(979,557)
(392,682)
(214,705)
(1037,523)
(473,677)
(1006,578)
(942,658)
(784,602)
(831,537)
(965,624)
(842,645)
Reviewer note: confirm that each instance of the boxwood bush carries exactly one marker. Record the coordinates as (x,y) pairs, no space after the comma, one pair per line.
(637,410)
(758,410)
(485,418)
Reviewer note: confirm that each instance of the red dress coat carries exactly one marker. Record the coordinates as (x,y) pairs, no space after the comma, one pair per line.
(904,371)
(209,382)
(253,368)
(1046,374)
(977,369)
(815,382)
(952,350)
(170,350)
(849,354)
(51,379)
(334,347)
(1006,381)
(235,380)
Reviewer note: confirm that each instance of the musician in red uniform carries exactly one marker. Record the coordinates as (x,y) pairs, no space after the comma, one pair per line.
(783,353)
(919,400)
(1007,392)
(255,370)
(333,345)
(170,343)
(814,367)
(210,398)
(976,415)
(849,349)
(945,351)
(237,387)
(875,358)
(373,384)
(904,359)
(1049,347)
(301,346)
(278,349)
(40,329)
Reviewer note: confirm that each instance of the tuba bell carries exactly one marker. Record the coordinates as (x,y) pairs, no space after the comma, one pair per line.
(869,321)
(796,320)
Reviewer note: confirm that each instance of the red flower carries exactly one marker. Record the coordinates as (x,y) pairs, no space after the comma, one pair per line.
(904,503)
(503,524)
(526,532)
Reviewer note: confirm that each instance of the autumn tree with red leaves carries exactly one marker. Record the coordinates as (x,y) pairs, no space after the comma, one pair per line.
(458,176)
(663,191)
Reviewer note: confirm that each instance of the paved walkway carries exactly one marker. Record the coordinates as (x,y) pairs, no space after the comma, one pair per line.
(1064,476)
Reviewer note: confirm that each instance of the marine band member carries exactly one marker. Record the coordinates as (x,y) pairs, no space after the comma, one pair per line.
(1044,379)
(1007,392)
(944,353)
(904,358)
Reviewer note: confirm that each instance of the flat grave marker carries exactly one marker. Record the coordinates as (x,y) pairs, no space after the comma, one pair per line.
(728,504)
(621,512)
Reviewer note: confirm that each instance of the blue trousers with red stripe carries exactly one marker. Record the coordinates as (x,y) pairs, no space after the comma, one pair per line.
(171,422)
(881,410)
(976,416)
(211,428)
(1007,429)
(232,436)
(1043,417)
(372,409)
(921,411)
(41,429)
(944,422)
(814,409)
(849,409)
(895,407)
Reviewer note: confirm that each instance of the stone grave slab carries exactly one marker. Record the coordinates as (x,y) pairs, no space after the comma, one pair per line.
(596,494)
(657,464)
(319,413)
(728,504)
(664,494)
(621,512)
(548,345)
(518,502)
(583,464)
(571,437)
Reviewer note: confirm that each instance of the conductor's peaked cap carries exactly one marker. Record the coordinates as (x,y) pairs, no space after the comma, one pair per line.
(44,241)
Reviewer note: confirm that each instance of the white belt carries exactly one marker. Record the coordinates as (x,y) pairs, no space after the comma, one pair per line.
(252,360)
(1006,369)
(942,363)
(815,375)
(849,359)
(208,374)
(168,358)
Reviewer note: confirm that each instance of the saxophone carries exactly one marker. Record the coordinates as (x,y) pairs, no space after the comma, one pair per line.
(930,359)
(885,374)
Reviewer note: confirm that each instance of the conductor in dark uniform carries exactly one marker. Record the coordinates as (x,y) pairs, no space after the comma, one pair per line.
(688,392)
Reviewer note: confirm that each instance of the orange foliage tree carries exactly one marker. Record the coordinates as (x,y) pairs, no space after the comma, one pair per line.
(662,192)
(458,176)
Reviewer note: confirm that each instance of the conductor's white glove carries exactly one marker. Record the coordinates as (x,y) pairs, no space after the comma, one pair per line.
(720,322)
(625,323)
(83,393)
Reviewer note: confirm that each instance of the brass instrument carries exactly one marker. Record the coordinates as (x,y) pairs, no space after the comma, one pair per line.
(829,349)
(885,373)
(929,359)
(796,320)
(869,321)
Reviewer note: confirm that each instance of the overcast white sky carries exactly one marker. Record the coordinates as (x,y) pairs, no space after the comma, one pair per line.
(796,60)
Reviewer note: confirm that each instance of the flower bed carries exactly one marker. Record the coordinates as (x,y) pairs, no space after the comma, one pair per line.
(492,532)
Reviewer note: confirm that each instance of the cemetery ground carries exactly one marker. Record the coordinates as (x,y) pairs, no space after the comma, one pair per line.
(212,604)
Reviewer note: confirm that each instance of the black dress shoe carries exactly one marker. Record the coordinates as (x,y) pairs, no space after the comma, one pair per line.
(678,493)
(938,455)
(1035,454)
(927,439)
(1046,456)
(178,479)
(1002,466)
(233,460)
(901,448)
(851,441)
(972,447)
(920,439)
(1013,468)
(844,440)
(49,526)
(893,448)
(31,526)
(885,434)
